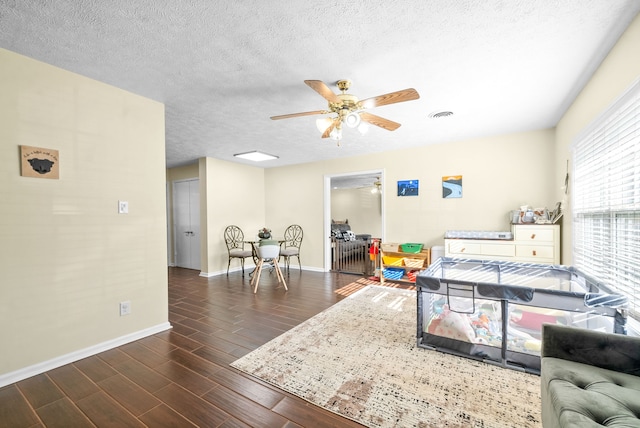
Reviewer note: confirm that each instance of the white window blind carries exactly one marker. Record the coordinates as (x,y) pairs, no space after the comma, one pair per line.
(606,198)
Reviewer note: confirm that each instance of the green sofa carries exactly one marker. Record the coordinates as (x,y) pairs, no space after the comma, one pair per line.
(589,378)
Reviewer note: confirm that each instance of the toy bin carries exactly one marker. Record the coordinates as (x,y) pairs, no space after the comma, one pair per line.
(393,273)
(493,311)
(411,248)
(413,263)
(392,261)
(390,247)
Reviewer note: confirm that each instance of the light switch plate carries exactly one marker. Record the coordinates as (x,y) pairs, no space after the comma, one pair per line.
(123,207)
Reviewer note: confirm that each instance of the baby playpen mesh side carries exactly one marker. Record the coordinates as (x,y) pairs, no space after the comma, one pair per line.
(494,311)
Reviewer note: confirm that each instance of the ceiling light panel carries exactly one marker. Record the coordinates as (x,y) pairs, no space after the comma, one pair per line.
(255,156)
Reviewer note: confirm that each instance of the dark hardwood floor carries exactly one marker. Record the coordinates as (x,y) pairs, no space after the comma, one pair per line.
(181,377)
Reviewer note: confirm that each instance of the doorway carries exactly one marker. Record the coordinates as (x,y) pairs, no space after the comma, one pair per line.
(186,220)
(358,198)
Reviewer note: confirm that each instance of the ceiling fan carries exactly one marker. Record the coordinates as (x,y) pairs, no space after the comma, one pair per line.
(349,110)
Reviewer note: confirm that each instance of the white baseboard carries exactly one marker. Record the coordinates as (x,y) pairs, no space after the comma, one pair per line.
(36,369)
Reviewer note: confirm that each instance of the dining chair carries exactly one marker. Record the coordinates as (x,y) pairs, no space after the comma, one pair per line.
(291,245)
(234,238)
(268,253)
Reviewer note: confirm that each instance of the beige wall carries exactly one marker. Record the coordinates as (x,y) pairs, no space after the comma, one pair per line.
(499,174)
(617,72)
(234,195)
(67,258)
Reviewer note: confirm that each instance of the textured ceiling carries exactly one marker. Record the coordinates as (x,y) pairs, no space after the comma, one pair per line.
(223,68)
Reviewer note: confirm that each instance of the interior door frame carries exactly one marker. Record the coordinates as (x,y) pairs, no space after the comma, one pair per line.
(327,209)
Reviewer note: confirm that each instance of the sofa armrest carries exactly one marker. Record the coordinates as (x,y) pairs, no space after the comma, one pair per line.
(610,351)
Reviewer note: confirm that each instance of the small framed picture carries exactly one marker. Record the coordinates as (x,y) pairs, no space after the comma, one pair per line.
(38,162)
(408,188)
(452,186)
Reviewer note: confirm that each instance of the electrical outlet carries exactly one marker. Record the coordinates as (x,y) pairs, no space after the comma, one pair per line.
(125,308)
(123,207)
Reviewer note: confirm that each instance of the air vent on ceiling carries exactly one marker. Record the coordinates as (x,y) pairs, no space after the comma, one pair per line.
(439,114)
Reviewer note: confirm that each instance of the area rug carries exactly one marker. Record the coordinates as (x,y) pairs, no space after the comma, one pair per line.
(359,359)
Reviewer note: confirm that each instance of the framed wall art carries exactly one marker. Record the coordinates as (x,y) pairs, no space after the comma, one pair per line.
(452,186)
(38,162)
(408,188)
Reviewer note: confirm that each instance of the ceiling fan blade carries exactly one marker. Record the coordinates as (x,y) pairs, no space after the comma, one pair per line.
(330,128)
(306,113)
(387,124)
(391,98)
(320,87)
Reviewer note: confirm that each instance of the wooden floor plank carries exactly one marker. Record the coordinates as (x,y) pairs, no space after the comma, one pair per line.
(258,392)
(104,411)
(95,368)
(165,417)
(306,414)
(243,409)
(63,413)
(186,378)
(39,390)
(198,411)
(130,396)
(73,382)
(148,379)
(194,362)
(15,411)
(178,341)
(143,354)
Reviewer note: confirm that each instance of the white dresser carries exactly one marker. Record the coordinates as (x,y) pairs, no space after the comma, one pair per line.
(533,243)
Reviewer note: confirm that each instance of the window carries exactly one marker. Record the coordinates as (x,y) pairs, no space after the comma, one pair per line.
(606,198)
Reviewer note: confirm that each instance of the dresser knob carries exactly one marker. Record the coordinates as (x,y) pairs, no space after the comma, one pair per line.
(534,253)
(533,236)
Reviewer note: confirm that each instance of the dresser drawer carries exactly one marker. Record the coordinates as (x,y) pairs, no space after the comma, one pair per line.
(463,247)
(480,248)
(534,252)
(534,234)
(501,250)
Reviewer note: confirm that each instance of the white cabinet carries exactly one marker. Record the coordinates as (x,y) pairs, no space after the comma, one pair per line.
(533,243)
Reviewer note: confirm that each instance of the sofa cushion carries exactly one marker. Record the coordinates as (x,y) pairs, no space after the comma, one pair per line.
(581,395)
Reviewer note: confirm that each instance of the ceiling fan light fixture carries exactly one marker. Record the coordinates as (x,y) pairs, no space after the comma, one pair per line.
(377,186)
(363,128)
(255,156)
(323,123)
(352,120)
(336,134)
